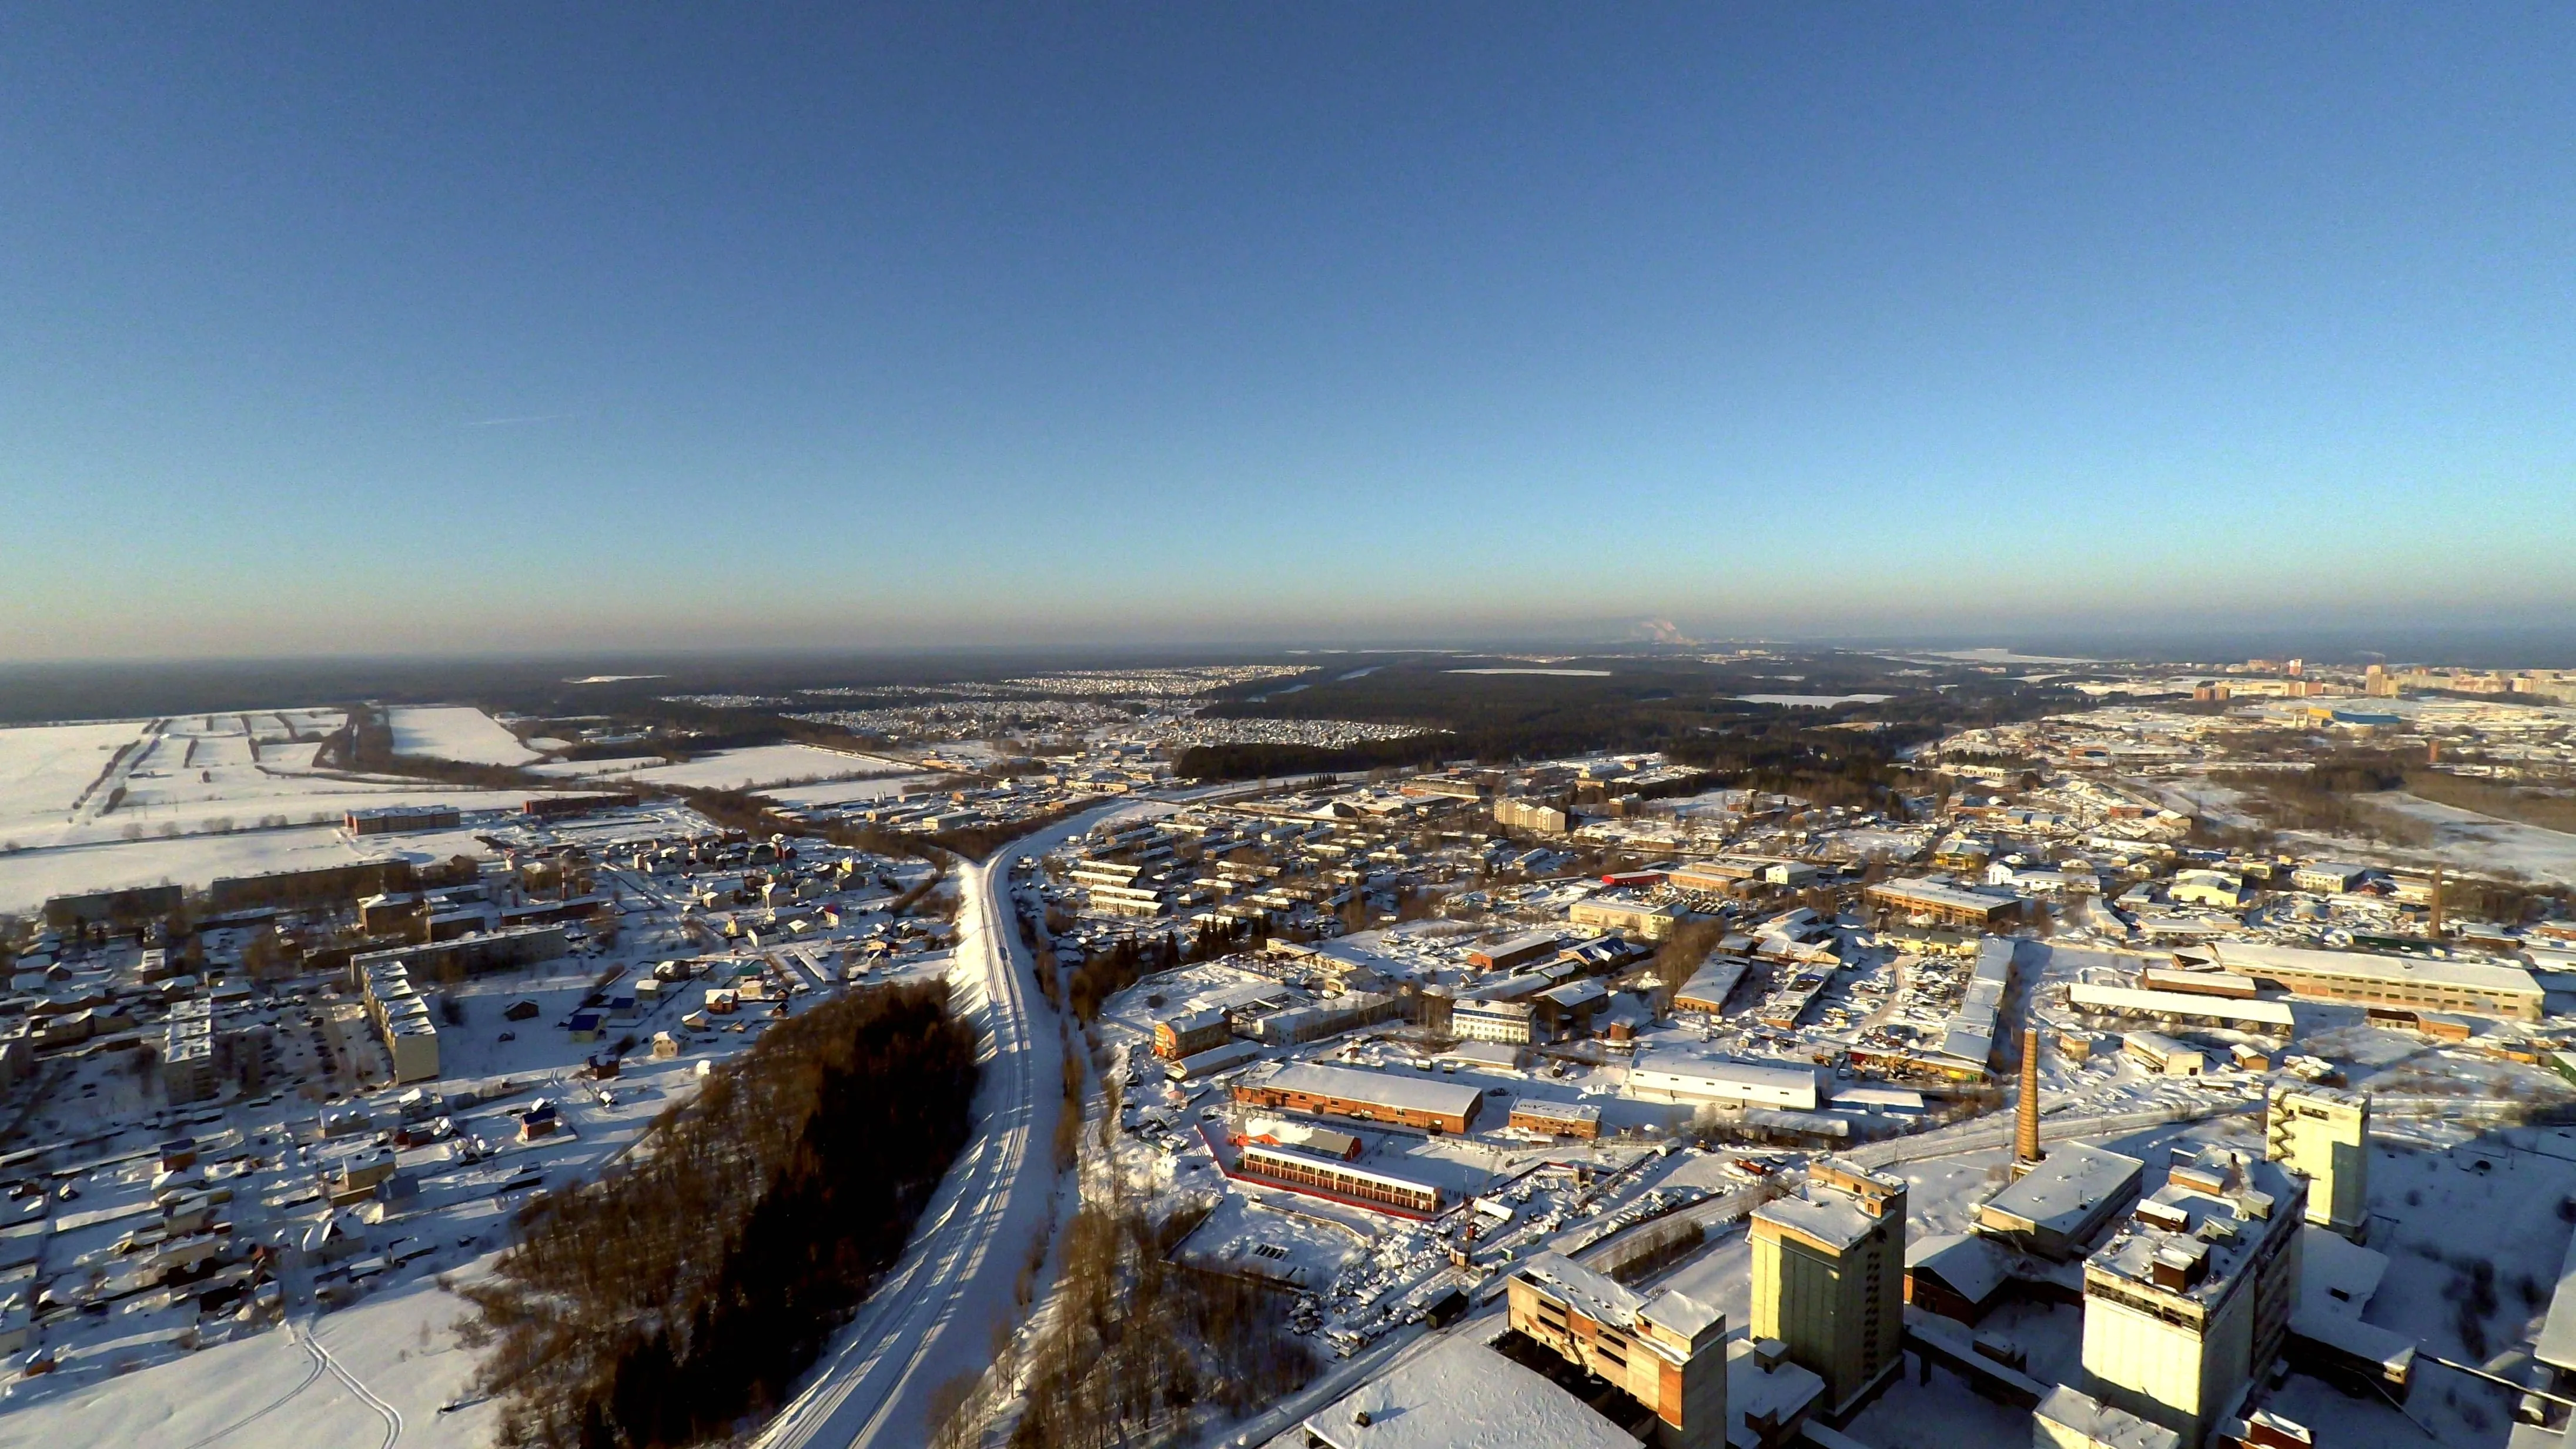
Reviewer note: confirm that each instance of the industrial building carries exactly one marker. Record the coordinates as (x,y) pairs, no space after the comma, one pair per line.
(1667,1351)
(2192,1297)
(1189,1033)
(1942,903)
(1461,1393)
(1557,1119)
(2055,1208)
(1364,1096)
(2367,978)
(1829,1278)
(1673,1077)
(1643,919)
(1520,950)
(389,819)
(2323,1134)
(2269,1018)
(1710,986)
(1336,1179)
(1484,1018)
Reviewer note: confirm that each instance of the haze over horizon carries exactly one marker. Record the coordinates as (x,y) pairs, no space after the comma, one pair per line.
(341,332)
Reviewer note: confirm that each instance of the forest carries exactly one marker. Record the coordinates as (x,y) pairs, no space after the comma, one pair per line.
(659,1306)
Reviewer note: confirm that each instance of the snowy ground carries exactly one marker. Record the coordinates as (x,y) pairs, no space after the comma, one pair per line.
(456,732)
(44,768)
(844,792)
(2483,842)
(750,768)
(272,1388)
(27,877)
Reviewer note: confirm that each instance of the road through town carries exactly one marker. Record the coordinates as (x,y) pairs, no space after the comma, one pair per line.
(933,1316)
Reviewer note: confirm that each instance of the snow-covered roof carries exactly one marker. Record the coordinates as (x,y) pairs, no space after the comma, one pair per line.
(2090,1421)
(2192,1004)
(1413,1094)
(2254,958)
(1463,1393)
(1604,1299)
(2556,1345)
(1776,1394)
(1970,1264)
(2067,1188)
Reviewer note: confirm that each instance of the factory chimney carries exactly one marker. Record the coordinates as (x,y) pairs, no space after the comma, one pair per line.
(2026,1153)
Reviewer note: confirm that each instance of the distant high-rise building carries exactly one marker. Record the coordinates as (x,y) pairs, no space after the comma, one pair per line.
(2323,1134)
(1829,1277)
(2378,683)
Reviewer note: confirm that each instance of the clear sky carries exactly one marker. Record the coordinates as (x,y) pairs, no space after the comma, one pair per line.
(393,327)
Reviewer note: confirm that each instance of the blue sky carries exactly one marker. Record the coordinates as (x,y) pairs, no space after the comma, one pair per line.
(396,328)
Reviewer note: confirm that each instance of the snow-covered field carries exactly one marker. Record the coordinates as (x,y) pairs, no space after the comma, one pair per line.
(27,877)
(2484,842)
(456,732)
(733,769)
(44,768)
(844,792)
(272,1389)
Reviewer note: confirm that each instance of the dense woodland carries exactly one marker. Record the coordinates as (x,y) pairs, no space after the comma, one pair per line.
(660,1306)
(1688,710)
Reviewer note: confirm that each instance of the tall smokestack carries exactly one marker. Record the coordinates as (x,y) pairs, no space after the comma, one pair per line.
(2437,903)
(2026,1151)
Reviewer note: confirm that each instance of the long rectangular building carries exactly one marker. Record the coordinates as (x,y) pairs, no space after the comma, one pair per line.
(1671,1077)
(1307,1172)
(1947,904)
(2262,1016)
(1364,1097)
(2370,979)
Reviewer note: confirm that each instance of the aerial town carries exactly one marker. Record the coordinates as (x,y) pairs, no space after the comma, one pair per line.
(2156,1055)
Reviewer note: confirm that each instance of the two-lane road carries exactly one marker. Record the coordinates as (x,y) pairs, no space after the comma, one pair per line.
(933,1316)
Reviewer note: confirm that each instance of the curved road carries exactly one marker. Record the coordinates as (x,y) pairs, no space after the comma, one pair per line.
(933,1316)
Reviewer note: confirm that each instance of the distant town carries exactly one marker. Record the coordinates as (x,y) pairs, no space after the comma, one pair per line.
(1749,1046)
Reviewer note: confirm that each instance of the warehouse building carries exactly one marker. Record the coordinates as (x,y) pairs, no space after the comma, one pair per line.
(390,819)
(1189,1033)
(1674,1077)
(1337,1180)
(2367,978)
(2268,1017)
(1364,1096)
(1710,986)
(1557,1119)
(1520,950)
(1943,903)
(2059,1205)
